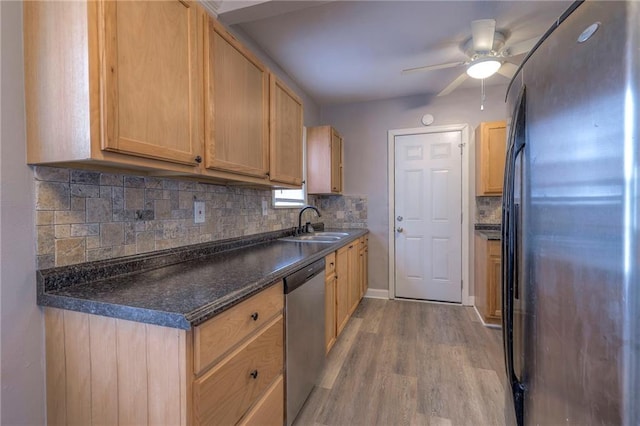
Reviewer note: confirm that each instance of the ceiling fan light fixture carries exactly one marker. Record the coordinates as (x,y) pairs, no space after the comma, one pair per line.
(483,68)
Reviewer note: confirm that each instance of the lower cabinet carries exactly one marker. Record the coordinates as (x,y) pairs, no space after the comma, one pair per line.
(345,285)
(330,283)
(488,279)
(227,370)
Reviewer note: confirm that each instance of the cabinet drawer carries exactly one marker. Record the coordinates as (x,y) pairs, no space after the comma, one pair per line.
(269,411)
(330,264)
(215,337)
(223,394)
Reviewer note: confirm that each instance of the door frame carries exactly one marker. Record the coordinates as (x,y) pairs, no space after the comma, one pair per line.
(467,300)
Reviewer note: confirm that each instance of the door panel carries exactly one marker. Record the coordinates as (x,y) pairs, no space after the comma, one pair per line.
(428,212)
(152,80)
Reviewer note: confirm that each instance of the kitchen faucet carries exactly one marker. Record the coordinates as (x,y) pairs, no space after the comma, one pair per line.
(299,228)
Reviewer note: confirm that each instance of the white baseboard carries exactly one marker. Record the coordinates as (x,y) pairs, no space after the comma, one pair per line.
(374,293)
(475,308)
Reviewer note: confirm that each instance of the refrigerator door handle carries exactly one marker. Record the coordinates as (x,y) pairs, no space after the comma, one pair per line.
(510,216)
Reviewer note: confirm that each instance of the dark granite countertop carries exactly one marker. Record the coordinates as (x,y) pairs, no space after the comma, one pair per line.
(490,231)
(182,287)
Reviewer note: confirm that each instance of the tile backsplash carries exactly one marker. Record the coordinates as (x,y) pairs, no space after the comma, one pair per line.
(86,215)
(342,211)
(489,210)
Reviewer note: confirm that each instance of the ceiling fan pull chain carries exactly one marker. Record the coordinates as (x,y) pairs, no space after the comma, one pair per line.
(482,97)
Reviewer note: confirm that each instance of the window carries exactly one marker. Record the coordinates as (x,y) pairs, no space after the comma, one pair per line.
(289,197)
(293,198)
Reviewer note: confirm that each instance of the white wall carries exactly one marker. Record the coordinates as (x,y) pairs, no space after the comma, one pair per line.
(23,379)
(364,128)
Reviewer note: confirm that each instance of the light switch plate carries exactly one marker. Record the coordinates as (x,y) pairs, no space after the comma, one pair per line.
(265,205)
(198,212)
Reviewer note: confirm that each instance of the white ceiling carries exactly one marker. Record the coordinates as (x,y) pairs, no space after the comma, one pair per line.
(354,51)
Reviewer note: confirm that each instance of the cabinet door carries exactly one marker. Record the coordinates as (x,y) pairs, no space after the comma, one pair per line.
(363,277)
(152,79)
(336,162)
(491,139)
(285,160)
(237,120)
(354,276)
(342,289)
(330,311)
(494,274)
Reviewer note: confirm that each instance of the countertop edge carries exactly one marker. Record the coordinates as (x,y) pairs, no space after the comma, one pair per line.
(184,321)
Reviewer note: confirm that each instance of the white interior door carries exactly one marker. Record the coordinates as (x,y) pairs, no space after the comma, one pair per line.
(428,212)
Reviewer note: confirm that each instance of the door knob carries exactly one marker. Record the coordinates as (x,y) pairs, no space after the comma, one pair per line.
(399,229)
(399,218)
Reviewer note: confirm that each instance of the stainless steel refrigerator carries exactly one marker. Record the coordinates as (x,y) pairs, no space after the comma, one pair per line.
(571,218)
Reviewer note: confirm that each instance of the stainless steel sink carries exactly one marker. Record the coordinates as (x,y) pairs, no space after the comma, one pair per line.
(317,237)
(330,233)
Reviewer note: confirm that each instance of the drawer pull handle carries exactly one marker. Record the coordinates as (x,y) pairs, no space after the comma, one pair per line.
(254,316)
(254,374)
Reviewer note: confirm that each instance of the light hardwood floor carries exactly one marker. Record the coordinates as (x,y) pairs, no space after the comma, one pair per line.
(410,363)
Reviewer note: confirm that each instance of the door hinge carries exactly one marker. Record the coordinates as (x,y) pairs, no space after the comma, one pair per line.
(461,146)
(461,216)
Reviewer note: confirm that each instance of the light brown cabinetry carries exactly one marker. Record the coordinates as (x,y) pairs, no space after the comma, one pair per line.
(488,279)
(342,288)
(286,134)
(354,275)
(330,329)
(227,370)
(364,265)
(237,131)
(119,78)
(345,285)
(491,139)
(155,87)
(324,161)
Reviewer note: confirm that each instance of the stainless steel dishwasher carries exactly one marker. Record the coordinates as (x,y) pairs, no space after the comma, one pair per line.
(304,309)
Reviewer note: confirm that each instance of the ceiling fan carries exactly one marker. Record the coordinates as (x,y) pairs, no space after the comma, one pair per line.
(487,55)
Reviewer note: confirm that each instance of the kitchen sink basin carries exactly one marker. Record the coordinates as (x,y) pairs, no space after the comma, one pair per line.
(317,237)
(330,234)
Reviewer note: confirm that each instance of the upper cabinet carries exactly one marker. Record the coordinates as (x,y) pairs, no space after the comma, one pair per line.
(117,78)
(491,139)
(324,160)
(151,75)
(154,86)
(237,124)
(286,134)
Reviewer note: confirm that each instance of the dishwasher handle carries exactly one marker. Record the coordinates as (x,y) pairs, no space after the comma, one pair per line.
(301,276)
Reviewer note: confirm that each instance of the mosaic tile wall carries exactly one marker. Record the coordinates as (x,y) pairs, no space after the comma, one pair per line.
(85,216)
(342,211)
(488,209)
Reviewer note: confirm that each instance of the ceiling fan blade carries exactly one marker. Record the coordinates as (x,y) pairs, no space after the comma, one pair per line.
(508,70)
(522,47)
(455,83)
(433,67)
(482,32)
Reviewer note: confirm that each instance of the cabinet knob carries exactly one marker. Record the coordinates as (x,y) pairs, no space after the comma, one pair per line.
(267,174)
(198,159)
(254,374)
(254,316)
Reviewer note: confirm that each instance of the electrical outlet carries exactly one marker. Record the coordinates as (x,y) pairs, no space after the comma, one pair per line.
(198,212)
(265,205)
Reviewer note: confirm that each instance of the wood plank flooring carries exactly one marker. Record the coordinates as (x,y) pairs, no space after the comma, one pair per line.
(410,363)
